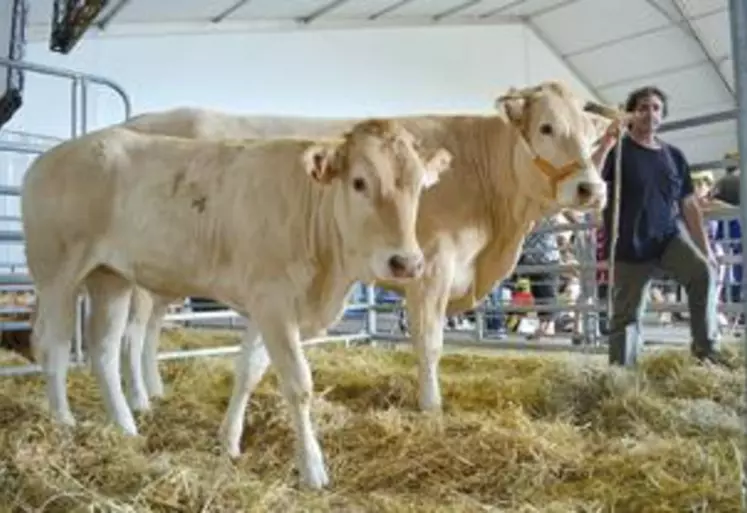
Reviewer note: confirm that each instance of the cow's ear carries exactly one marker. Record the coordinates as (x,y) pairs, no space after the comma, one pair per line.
(321,162)
(512,103)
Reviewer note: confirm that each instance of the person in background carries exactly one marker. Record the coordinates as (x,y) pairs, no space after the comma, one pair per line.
(541,249)
(495,321)
(656,195)
(703,184)
(726,190)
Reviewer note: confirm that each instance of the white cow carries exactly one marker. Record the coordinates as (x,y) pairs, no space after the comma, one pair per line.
(240,222)
(530,160)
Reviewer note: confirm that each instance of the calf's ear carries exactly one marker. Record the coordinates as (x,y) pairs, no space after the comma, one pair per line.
(321,162)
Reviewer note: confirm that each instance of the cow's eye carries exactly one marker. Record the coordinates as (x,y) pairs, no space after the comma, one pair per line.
(359,184)
(546,129)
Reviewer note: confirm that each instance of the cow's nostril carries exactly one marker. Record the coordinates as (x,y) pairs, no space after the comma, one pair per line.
(398,264)
(585,190)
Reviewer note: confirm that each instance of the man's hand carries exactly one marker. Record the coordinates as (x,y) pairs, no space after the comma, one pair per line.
(613,131)
(696,227)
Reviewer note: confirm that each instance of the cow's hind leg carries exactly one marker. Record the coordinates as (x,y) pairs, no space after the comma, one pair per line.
(283,343)
(51,341)
(141,306)
(110,300)
(152,377)
(426,308)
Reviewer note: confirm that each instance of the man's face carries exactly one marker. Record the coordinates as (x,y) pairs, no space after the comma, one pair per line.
(648,114)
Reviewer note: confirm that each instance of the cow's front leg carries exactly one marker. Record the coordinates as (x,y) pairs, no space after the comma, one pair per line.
(283,344)
(426,307)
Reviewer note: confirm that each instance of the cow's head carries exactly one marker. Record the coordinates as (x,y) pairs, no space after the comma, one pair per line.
(557,135)
(380,173)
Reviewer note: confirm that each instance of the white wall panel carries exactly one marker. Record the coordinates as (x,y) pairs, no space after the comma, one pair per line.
(715,32)
(274,9)
(608,20)
(359,9)
(687,90)
(138,11)
(487,7)
(529,7)
(40,12)
(707,142)
(690,8)
(423,8)
(727,69)
(645,55)
(694,8)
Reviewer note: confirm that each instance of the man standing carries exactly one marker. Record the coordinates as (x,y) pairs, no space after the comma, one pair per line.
(656,196)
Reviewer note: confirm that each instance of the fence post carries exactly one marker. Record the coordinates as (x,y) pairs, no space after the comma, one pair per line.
(371,319)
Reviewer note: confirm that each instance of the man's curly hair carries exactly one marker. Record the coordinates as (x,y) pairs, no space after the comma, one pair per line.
(643,92)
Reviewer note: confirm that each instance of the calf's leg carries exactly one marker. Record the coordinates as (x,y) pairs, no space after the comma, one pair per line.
(426,307)
(149,353)
(110,300)
(141,306)
(51,341)
(283,343)
(249,367)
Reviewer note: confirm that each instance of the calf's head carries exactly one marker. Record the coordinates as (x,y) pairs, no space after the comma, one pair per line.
(556,140)
(380,173)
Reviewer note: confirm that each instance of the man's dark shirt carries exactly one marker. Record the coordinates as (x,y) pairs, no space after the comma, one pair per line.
(654,182)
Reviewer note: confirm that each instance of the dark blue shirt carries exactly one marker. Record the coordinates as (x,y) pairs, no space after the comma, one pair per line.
(654,183)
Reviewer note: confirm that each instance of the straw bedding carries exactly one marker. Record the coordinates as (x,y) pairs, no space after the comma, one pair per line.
(518,433)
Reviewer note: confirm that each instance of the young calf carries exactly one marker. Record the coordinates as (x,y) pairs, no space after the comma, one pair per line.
(279,230)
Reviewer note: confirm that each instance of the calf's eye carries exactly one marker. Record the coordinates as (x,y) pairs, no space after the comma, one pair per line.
(359,184)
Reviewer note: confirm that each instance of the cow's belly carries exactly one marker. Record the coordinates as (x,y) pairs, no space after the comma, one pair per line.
(167,275)
(464,277)
(169,259)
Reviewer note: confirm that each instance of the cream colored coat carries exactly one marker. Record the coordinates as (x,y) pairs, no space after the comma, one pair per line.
(277,229)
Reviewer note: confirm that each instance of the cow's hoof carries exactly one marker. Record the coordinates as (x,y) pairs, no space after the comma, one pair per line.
(312,470)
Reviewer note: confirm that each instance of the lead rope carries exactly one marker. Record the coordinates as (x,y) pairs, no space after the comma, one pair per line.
(615,225)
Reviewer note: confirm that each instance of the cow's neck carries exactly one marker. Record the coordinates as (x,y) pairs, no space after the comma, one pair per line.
(334,266)
(511,209)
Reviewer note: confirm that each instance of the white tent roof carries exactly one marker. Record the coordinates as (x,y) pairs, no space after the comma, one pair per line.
(613,46)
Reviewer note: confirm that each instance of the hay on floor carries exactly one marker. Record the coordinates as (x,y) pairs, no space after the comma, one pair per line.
(548,433)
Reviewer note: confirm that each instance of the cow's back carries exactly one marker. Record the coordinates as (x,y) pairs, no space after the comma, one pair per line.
(210,124)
